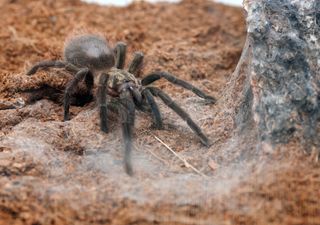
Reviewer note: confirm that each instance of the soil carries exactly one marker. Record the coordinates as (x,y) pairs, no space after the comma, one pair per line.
(54,172)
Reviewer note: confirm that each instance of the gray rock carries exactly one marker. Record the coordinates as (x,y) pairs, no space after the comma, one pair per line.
(284,74)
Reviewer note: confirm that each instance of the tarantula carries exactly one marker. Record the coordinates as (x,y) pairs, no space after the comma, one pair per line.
(89,56)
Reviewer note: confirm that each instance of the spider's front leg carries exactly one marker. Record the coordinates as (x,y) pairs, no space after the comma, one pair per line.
(127,115)
(120,53)
(157,119)
(171,78)
(136,64)
(183,114)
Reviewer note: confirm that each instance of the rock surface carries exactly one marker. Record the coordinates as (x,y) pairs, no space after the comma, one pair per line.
(284,39)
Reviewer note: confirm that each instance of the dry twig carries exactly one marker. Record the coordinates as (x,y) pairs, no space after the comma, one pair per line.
(186,163)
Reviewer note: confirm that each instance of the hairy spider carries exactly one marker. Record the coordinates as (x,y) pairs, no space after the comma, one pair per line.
(89,56)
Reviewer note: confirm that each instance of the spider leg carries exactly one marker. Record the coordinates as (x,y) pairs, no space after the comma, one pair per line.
(120,52)
(143,105)
(81,98)
(184,115)
(70,88)
(135,94)
(157,120)
(127,115)
(102,101)
(158,75)
(137,97)
(52,63)
(136,63)
(89,81)
(35,94)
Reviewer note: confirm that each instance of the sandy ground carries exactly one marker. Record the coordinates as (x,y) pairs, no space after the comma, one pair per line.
(54,172)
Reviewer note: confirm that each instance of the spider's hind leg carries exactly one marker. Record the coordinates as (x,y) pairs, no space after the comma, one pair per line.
(45,91)
(54,64)
(169,77)
(184,115)
(71,86)
(46,64)
(102,101)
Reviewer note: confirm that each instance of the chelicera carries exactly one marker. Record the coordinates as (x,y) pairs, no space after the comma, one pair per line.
(90,58)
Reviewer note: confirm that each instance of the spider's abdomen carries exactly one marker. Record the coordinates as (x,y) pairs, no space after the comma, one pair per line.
(89,51)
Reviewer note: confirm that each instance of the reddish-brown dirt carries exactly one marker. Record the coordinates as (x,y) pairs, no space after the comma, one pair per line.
(54,172)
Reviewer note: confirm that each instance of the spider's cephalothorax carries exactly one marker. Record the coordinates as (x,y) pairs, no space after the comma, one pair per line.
(89,56)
